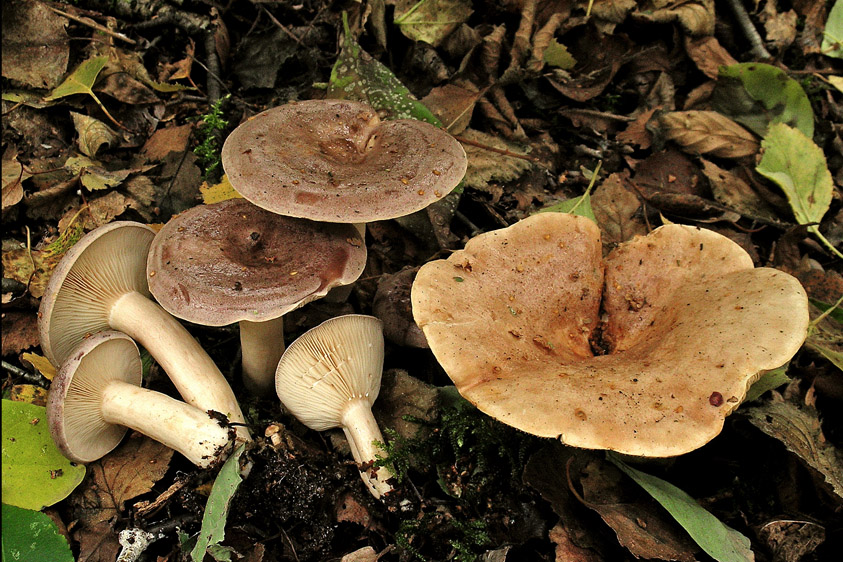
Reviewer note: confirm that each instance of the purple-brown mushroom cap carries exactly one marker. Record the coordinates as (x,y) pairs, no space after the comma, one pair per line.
(336,161)
(231,261)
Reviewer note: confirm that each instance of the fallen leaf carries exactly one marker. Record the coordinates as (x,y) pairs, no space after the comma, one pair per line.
(13,177)
(29,393)
(708,54)
(485,166)
(430,21)
(780,27)
(566,550)
(351,511)
(695,16)
(798,166)
(365,554)
(124,88)
(81,81)
(733,192)
(93,134)
(707,132)
(164,141)
(35,474)
(640,523)
(20,331)
(41,363)
(214,519)
(452,105)
(29,535)
(791,540)
(616,209)
(799,430)
(97,543)
(556,54)
(757,95)
(35,44)
(832,44)
(636,132)
(218,192)
(826,336)
(127,472)
(718,540)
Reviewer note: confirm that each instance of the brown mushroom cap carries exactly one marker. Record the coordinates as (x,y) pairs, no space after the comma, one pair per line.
(230,261)
(690,326)
(103,265)
(335,161)
(73,404)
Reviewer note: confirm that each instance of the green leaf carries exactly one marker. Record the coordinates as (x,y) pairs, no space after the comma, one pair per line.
(556,54)
(35,473)
(758,95)
(798,166)
(216,510)
(771,379)
(430,21)
(718,540)
(31,536)
(81,80)
(357,76)
(832,44)
(575,206)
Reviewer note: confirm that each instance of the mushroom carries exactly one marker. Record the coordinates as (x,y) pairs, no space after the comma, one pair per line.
(234,262)
(515,320)
(335,161)
(101,284)
(329,377)
(97,396)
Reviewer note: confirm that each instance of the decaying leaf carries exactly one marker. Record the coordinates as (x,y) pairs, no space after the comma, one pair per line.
(832,44)
(708,54)
(799,430)
(93,134)
(826,336)
(430,21)
(13,177)
(218,192)
(127,472)
(556,54)
(798,166)
(41,363)
(35,44)
(485,166)
(733,192)
(708,132)
(617,212)
(453,105)
(696,16)
(81,81)
(93,175)
(20,331)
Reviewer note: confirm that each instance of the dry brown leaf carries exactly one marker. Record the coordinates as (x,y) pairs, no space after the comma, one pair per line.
(616,210)
(28,393)
(730,190)
(452,105)
(35,44)
(13,177)
(708,132)
(93,134)
(780,27)
(164,141)
(636,132)
(566,550)
(97,543)
(365,554)
(127,472)
(486,165)
(708,55)
(99,211)
(695,16)
(20,331)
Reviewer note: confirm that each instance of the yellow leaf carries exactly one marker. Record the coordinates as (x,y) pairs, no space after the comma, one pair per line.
(219,192)
(41,363)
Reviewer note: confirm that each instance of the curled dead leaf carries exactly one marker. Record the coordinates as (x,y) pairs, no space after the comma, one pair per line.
(707,132)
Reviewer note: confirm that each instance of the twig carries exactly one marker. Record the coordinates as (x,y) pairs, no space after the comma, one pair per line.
(757,44)
(94,25)
(214,82)
(36,379)
(470,142)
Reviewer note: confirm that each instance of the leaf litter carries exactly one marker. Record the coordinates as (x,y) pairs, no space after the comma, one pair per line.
(540,108)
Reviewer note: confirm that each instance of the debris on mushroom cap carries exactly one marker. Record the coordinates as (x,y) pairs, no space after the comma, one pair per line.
(87,281)
(339,360)
(335,161)
(230,261)
(513,319)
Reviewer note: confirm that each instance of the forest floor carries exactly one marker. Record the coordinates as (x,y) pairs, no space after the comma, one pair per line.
(644,111)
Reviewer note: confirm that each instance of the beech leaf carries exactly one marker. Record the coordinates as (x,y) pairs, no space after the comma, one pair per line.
(832,44)
(430,21)
(798,166)
(708,132)
(32,535)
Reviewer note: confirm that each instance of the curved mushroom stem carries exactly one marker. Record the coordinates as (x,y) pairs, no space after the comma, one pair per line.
(179,426)
(192,371)
(262,345)
(362,432)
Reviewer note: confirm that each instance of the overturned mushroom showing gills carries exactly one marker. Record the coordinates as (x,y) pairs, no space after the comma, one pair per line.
(335,161)
(100,284)
(96,396)
(234,262)
(330,377)
(515,316)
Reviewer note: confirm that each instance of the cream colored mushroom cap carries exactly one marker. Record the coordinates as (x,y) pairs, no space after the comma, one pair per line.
(328,366)
(691,324)
(103,265)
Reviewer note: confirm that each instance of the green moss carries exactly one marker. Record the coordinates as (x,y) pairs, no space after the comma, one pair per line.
(210,131)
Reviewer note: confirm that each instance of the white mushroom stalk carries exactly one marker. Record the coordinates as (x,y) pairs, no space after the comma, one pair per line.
(96,396)
(261,345)
(101,284)
(330,377)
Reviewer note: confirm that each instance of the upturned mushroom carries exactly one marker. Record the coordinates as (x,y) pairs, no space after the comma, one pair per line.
(329,377)
(336,161)
(97,396)
(235,262)
(100,284)
(515,320)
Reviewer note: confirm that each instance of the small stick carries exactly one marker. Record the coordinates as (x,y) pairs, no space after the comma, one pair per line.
(758,50)
(94,25)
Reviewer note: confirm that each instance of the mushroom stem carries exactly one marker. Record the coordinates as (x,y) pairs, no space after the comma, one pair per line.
(362,432)
(188,430)
(262,345)
(192,371)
